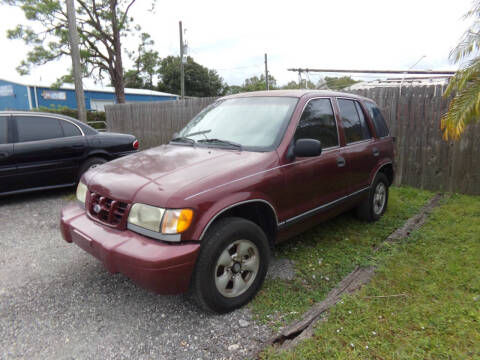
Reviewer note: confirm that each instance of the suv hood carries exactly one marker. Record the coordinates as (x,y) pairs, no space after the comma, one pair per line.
(153,176)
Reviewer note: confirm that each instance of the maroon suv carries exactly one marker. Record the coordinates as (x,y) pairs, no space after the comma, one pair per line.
(204,212)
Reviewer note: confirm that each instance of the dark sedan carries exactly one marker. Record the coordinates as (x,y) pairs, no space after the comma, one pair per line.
(43,151)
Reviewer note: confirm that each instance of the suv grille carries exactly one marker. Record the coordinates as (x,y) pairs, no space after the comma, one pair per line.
(107,211)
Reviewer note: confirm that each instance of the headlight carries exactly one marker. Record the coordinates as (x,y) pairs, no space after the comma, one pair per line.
(146,216)
(81,192)
(176,221)
(159,223)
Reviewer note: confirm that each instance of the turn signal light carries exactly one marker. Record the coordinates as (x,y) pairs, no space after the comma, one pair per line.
(176,221)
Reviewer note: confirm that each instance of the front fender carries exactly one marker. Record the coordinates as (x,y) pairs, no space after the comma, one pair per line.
(217,208)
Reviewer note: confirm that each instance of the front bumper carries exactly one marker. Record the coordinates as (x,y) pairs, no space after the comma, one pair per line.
(160,267)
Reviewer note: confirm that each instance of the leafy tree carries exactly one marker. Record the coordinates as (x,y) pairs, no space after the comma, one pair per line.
(132,79)
(338,83)
(294,85)
(464,108)
(199,80)
(256,83)
(101,25)
(147,62)
(233,89)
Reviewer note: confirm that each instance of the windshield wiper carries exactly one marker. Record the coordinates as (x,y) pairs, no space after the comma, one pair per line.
(203,132)
(220,141)
(184,139)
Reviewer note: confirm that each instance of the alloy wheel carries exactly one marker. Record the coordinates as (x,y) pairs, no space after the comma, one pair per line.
(236,268)
(379,198)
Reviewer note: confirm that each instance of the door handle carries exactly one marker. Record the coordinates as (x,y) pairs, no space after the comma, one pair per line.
(375,151)
(340,161)
(77,146)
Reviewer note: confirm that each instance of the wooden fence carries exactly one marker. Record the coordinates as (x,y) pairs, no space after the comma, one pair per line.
(422,158)
(153,123)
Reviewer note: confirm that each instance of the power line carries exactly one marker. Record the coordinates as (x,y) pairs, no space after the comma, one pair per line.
(418,72)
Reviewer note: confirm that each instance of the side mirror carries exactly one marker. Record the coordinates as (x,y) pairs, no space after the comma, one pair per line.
(307,148)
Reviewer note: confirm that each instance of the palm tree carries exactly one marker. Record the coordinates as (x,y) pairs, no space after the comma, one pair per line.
(464,108)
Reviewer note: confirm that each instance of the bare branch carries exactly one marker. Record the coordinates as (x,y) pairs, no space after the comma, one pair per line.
(125,13)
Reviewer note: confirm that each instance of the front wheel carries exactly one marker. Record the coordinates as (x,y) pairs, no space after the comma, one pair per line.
(373,207)
(231,265)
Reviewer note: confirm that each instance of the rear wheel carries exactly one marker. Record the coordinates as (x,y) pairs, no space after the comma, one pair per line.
(90,163)
(373,207)
(231,266)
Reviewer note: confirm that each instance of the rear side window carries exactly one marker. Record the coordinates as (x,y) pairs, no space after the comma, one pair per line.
(378,121)
(353,121)
(3,130)
(318,122)
(69,129)
(35,128)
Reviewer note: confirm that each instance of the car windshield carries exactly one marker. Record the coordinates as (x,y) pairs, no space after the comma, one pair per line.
(252,123)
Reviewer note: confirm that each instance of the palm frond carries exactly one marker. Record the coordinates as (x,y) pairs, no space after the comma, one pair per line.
(470,42)
(464,108)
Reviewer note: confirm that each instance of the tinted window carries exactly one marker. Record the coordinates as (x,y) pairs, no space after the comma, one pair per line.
(69,129)
(378,121)
(318,122)
(33,128)
(3,129)
(354,124)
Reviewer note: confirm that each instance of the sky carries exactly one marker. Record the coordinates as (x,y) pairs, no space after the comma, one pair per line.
(233,36)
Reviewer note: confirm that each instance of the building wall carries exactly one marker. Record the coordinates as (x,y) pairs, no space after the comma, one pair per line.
(13,96)
(56,98)
(71,101)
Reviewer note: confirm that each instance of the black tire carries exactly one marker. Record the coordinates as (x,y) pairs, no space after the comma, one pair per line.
(88,164)
(367,210)
(223,234)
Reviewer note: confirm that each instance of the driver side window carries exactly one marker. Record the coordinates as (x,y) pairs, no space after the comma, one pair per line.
(318,122)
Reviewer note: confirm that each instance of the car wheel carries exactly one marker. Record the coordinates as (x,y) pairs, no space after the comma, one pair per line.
(90,163)
(231,265)
(372,208)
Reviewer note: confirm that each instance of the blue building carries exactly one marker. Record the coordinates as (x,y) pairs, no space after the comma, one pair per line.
(15,96)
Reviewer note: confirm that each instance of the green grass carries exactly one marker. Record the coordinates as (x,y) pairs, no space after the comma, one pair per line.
(325,254)
(438,268)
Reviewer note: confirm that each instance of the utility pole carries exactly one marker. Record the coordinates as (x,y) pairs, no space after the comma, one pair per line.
(266,73)
(75,53)
(182,71)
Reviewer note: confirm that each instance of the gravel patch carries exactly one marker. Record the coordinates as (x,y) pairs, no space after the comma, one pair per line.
(281,268)
(58,302)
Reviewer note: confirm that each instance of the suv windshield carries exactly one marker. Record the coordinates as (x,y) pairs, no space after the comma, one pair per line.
(251,123)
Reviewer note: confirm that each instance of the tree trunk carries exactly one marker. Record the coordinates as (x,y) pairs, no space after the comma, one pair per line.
(117,71)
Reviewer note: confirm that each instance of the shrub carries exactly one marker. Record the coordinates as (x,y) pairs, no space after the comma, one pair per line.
(91,115)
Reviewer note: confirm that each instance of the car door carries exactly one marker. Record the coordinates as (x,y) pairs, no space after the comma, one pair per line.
(318,181)
(7,164)
(44,156)
(360,152)
(74,149)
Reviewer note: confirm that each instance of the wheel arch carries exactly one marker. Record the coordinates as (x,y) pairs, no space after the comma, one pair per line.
(259,211)
(98,153)
(385,168)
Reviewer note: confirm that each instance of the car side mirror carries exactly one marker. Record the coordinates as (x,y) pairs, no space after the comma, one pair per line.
(307,148)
